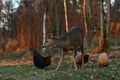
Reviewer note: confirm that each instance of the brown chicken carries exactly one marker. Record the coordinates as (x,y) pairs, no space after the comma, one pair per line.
(103,60)
(79,59)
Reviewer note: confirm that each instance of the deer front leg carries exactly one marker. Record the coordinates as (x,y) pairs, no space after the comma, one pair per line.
(61,59)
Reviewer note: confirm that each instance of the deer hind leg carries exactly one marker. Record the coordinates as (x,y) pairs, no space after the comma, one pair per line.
(74,61)
(61,59)
(82,57)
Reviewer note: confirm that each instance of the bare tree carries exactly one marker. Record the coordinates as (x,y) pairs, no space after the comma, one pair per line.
(102,26)
(44,27)
(23,4)
(108,19)
(66,16)
(88,8)
(102,40)
(0,5)
(30,34)
(57,19)
(74,11)
(84,17)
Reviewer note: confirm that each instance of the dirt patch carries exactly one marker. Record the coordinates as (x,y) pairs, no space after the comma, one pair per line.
(15,62)
(93,57)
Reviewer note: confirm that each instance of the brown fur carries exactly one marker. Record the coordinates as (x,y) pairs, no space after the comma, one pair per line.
(103,60)
(79,59)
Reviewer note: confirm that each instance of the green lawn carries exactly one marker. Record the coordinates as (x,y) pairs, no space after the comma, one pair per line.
(91,72)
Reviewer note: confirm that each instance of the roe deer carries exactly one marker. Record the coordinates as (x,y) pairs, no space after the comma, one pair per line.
(71,40)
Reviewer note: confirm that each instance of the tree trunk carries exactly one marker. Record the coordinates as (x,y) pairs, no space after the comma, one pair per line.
(66,16)
(44,30)
(23,43)
(102,18)
(23,4)
(74,11)
(84,17)
(44,27)
(57,20)
(0,6)
(108,20)
(102,39)
(88,8)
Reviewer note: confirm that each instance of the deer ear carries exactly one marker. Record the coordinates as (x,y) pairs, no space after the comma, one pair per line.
(51,35)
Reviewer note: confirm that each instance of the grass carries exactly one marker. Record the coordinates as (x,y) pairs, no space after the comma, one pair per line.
(12,56)
(91,72)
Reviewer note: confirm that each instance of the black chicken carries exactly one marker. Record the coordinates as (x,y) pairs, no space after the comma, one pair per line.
(40,61)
